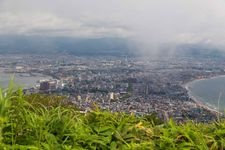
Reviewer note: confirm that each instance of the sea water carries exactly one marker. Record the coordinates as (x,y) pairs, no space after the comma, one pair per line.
(210,91)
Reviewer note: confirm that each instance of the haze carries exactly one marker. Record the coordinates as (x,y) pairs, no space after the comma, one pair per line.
(149,23)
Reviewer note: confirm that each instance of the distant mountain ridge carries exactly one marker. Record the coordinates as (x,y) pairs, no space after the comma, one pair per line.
(15,44)
(77,46)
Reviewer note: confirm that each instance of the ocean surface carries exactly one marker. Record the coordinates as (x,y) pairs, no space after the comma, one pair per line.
(209,91)
(21,80)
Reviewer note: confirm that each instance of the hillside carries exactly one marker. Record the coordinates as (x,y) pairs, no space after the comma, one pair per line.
(49,122)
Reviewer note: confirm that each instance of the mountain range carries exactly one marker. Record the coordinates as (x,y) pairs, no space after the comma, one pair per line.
(15,44)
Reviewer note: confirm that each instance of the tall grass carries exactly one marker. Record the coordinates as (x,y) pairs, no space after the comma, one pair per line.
(38,122)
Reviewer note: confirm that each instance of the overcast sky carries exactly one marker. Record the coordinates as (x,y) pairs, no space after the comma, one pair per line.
(147,21)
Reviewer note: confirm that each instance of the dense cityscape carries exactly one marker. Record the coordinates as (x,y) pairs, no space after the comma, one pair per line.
(138,85)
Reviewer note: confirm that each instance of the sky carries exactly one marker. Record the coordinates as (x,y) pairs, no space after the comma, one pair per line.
(147,22)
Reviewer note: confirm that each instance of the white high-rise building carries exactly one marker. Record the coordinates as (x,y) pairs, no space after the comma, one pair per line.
(111,96)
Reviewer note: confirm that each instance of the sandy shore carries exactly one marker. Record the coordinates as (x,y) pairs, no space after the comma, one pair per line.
(200,103)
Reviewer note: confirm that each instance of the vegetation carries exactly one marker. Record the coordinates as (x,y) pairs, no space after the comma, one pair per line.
(38,122)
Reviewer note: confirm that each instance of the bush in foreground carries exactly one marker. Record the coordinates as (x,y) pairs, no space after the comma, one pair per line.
(37,122)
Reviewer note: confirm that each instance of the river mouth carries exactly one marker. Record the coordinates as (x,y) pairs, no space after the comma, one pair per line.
(210,92)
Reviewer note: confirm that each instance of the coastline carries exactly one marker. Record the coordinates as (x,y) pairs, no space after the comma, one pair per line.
(198,102)
(20,79)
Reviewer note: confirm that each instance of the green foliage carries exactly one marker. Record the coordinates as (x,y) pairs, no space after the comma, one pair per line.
(48,101)
(49,122)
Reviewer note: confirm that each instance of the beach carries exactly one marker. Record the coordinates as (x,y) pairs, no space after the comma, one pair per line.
(200,101)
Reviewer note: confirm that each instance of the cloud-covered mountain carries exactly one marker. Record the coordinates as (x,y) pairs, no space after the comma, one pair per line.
(149,22)
(15,44)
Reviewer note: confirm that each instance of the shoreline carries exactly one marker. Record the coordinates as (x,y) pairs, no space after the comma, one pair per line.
(206,78)
(20,79)
(198,102)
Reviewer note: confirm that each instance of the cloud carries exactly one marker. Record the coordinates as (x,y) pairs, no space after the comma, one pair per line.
(149,23)
(48,24)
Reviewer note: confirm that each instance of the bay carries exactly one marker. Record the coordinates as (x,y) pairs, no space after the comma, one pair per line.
(209,91)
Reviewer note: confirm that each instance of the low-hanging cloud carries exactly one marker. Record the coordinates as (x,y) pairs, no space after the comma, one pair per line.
(51,25)
(149,23)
